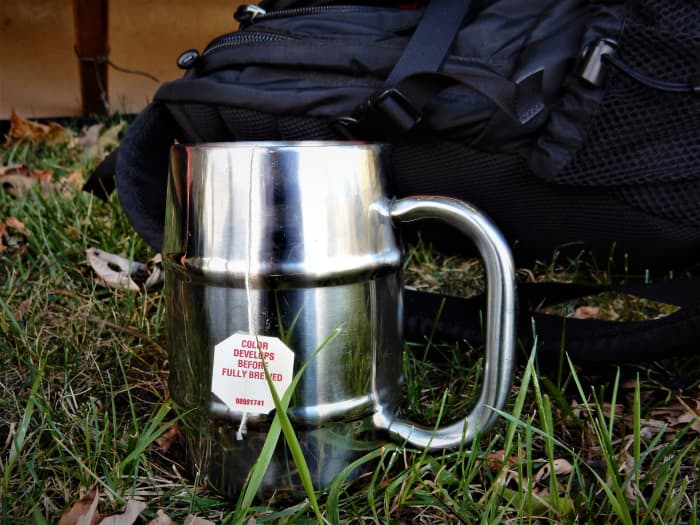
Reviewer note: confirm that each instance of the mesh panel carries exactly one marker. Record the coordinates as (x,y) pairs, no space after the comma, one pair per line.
(245,124)
(305,128)
(679,202)
(642,136)
(198,121)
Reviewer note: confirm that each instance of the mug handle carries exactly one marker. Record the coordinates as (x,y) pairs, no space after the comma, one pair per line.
(500,322)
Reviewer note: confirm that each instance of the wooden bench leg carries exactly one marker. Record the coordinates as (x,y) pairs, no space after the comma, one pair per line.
(91,18)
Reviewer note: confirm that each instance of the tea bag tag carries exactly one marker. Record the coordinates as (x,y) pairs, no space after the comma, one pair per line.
(238,371)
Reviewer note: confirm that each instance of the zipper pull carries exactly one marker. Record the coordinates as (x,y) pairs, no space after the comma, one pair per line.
(604,52)
(187,59)
(592,69)
(246,14)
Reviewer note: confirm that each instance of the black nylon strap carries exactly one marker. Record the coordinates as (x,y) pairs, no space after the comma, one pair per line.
(432,39)
(692,86)
(415,80)
(101,182)
(520,101)
(586,341)
(397,107)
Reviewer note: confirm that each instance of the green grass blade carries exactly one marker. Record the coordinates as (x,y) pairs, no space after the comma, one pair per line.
(18,441)
(257,473)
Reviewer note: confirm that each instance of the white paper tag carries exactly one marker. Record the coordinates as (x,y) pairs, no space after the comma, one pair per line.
(238,376)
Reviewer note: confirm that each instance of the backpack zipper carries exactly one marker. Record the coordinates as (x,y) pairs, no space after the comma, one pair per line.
(250,14)
(236,39)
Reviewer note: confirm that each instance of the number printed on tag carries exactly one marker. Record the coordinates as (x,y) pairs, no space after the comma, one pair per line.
(238,374)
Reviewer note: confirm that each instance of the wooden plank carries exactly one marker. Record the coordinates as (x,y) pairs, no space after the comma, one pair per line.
(91,18)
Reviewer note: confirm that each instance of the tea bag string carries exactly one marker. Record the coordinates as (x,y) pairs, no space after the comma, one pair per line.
(242,429)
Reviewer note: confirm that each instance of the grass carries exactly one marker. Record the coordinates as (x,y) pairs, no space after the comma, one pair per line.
(84,400)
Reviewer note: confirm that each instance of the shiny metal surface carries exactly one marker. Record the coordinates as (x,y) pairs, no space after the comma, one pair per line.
(302,213)
(500,323)
(297,241)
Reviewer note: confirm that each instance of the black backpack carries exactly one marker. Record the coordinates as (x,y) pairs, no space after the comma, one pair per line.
(575,125)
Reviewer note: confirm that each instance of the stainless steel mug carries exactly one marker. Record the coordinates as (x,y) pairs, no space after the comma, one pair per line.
(284,254)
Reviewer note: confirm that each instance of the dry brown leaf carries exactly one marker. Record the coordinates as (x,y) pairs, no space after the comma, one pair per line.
(155,278)
(10,232)
(161,519)
(691,415)
(586,312)
(14,169)
(168,438)
(561,467)
(626,466)
(114,271)
(83,511)
(24,306)
(110,138)
(42,175)
(23,129)
(71,183)
(195,520)
(16,224)
(541,485)
(128,517)
(89,136)
(96,142)
(17,185)
(76,177)
(496,460)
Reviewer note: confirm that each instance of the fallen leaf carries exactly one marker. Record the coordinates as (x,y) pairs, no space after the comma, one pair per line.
(23,308)
(71,183)
(586,312)
(42,175)
(128,517)
(14,169)
(88,138)
(96,143)
(11,232)
(161,519)
(627,464)
(16,224)
(23,129)
(155,277)
(496,460)
(76,178)
(17,185)
(561,467)
(110,138)
(115,271)
(83,511)
(168,438)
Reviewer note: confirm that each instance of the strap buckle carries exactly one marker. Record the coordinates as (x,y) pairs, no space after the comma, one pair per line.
(383,115)
(592,70)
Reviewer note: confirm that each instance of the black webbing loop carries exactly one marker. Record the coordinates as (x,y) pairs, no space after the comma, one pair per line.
(431,41)
(693,86)
(415,80)
(586,341)
(398,106)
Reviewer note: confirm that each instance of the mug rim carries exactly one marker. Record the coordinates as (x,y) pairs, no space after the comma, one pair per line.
(279,144)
